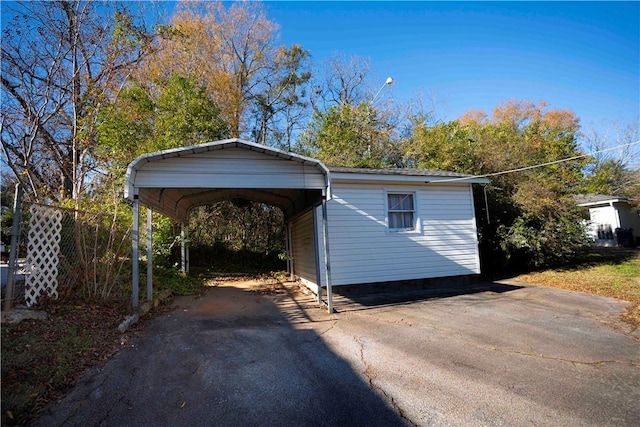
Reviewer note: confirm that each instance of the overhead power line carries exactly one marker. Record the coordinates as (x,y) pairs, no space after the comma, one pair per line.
(524,168)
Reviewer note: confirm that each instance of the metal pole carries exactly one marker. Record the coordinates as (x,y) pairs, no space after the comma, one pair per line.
(149,255)
(327,262)
(387,82)
(286,247)
(187,248)
(13,250)
(134,252)
(486,205)
(290,250)
(183,251)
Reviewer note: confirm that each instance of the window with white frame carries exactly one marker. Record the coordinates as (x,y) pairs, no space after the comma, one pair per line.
(401,213)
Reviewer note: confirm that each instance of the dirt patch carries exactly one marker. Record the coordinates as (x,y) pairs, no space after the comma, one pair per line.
(263,285)
(43,359)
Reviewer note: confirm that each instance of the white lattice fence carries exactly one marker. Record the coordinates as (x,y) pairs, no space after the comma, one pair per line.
(43,249)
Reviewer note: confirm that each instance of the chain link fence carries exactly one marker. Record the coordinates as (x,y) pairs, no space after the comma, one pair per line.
(64,252)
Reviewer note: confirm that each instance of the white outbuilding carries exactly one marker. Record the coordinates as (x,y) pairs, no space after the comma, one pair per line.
(610,219)
(345,226)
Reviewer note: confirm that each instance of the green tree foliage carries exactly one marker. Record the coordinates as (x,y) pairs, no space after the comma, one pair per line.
(607,177)
(185,115)
(124,128)
(533,220)
(240,226)
(224,235)
(180,115)
(139,122)
(7,194)
(445,146)
(353,136)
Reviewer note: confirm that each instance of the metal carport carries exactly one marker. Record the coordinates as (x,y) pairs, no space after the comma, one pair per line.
(172,182)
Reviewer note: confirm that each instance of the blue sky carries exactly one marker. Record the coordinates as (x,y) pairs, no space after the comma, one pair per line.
(581,56)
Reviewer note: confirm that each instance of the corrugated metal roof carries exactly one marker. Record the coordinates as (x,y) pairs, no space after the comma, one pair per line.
(211,146)
(173,181)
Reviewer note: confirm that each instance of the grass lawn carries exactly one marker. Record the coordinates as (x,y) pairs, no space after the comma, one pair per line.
(610,272)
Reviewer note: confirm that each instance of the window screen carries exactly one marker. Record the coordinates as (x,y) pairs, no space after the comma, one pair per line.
(401,211)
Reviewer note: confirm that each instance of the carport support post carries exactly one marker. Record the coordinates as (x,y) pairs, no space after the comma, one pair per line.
(289,251)
(149,255)
(135,237)
(316,239)
(183,249)
(327,264)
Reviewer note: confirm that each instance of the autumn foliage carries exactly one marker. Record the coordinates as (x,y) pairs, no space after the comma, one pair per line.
(74,118)
(532,157)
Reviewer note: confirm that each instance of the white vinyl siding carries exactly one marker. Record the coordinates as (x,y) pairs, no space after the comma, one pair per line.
(604,219)
(363,251)
(174,184)
(228,168)
(303,247)
(608,218)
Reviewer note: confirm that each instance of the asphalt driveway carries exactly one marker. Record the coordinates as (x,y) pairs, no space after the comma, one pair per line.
(491,354)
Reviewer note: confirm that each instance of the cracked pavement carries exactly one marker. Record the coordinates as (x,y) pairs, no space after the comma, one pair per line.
(491,354)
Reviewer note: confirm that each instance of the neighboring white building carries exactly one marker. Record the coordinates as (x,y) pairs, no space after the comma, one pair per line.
(608,214)
(345,226)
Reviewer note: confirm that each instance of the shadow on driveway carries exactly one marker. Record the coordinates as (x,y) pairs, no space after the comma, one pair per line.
(249,353)
(231,357)
(363,297)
